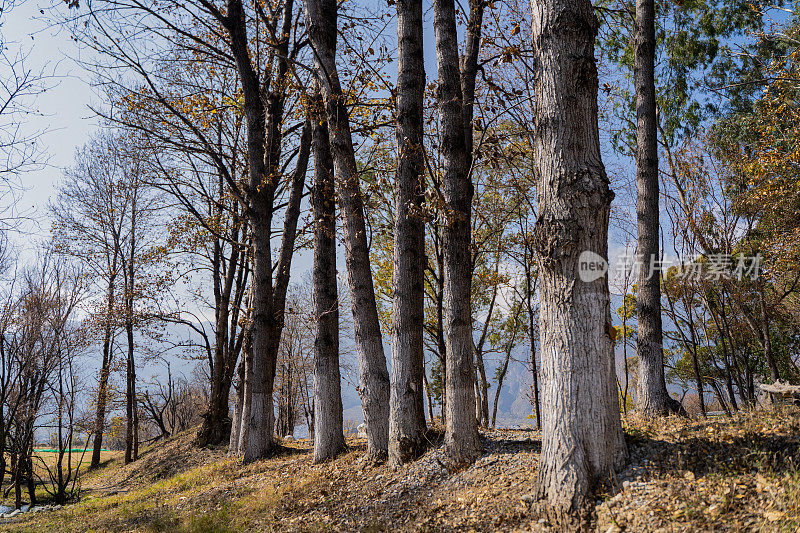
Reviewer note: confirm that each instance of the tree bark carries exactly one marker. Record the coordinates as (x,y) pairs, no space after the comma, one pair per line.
(264,143)
(767,338)
(462,444)
(373,375)
(529,281)
(652,398)
(582,440)
(229,282)
(243,421)
(482,384)
(328,425)
(105,370)
(129,271)
(406,412)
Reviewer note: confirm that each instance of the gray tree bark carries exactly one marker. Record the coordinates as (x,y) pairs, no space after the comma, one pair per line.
(462,444)
(328,425)
(129,275)
(256,438)
(652,398)
(105,369)
(236,423)
(373,375)
(582,440)
(264,143)
(406,412)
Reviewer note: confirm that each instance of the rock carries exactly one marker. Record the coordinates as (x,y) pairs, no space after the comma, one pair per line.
(361,431)
(12,514)
(714,510)
(613,528)
(57,507)
(689,475)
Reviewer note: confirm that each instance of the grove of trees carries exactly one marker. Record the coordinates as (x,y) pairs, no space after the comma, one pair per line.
(473,168)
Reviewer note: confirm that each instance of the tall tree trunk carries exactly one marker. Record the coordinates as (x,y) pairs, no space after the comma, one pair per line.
(328,428)
(767,338)
(531,331)
(216,422)
(259,440)
(406,412)
(247,393)
(264,142)
(652,398)
(582,440)
(236,422)
(500,378)
(441,346)
(129,267)
(461,429)
(105,370)
(373,375)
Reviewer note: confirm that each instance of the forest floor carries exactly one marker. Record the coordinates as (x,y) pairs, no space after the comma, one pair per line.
(720,474)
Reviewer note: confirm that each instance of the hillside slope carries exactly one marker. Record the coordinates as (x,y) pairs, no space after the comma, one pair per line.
(722,474)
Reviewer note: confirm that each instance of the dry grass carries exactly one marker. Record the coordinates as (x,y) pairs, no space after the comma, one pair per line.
(723,474)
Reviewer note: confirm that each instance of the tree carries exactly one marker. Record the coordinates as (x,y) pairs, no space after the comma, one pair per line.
(505,338)
(406,415)
(39,335)
(328,428)
(220,34)
(173,406)
(461,430)
(373,376)
(574,199)
(88,225)
(103,214)
(652,398)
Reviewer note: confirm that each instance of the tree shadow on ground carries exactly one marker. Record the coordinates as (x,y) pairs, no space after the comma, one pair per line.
(747,453)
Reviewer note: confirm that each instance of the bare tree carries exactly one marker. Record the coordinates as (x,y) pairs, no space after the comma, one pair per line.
(89,214)
(20,147)
(172,406)
(264,67)
(37,338)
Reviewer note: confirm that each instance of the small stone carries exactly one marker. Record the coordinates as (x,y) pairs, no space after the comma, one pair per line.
(714,510)
(689,476)
(613,528)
